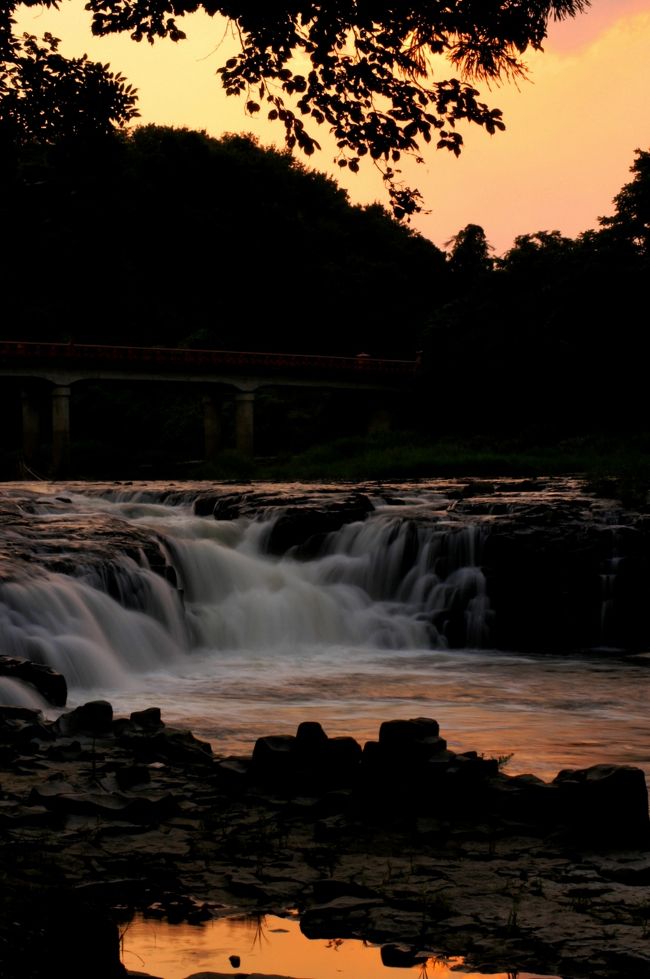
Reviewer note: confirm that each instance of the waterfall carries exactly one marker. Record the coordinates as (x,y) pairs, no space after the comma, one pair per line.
(430,571)
(386,583)
(136,598)
(82,632)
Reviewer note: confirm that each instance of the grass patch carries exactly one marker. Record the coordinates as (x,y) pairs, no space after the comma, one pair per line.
(607,461)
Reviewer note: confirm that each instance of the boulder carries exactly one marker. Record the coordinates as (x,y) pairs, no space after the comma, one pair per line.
(166,744)
(51,685)
(302,529)
(274,759)
(307,761)
(148,719)
(93,718)
(605,801)
(395,955)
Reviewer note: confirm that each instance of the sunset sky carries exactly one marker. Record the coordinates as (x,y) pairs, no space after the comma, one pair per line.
(572,128)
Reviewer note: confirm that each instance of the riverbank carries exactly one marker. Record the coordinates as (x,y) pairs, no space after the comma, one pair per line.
(398,841)
(615,463)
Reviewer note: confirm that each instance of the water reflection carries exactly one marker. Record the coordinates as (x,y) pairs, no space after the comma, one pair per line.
(270,945)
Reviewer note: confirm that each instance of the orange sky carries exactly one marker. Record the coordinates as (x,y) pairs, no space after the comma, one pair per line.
(571,129)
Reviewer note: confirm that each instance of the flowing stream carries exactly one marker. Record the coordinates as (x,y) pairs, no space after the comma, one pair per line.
(234,642)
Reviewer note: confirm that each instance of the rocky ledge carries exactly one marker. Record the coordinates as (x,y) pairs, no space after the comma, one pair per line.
(401,842)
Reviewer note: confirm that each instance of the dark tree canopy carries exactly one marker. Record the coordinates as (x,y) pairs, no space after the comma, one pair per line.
(630,223)
(168,237)
(360,67)
(550,337)
(470,254)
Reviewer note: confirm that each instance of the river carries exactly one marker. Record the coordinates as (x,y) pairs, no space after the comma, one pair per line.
(239,642)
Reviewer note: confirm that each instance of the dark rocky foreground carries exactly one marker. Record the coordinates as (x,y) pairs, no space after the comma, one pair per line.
(401,842)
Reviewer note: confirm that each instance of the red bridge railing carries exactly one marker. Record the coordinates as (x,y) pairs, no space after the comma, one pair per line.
(200,361)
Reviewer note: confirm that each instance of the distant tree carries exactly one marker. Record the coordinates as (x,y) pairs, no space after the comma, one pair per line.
(541,246)
(629,226)
(363,68)
(470,254)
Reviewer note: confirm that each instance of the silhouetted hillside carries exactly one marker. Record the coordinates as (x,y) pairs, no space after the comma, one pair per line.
(169,237)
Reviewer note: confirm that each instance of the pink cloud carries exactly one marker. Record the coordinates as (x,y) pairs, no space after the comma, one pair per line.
(568,36)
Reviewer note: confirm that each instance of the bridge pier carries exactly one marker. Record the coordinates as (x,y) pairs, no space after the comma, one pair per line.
(31,425)
(211,426)
(60,429)
(244,422)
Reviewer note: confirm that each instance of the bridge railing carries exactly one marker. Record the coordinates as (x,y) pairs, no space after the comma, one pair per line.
(95,355)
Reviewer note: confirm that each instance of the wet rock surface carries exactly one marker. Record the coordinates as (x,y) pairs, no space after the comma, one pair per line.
(401,842)
(301,523)
(49,683)
(39,534)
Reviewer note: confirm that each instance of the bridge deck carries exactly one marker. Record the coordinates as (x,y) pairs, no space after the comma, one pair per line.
(187,360)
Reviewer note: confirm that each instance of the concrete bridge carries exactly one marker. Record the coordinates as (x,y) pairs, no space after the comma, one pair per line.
(241,373)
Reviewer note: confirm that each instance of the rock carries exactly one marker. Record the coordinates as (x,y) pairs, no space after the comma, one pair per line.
(409,753)
(94,718)
(301,529)
(167,744)
(632,965)
(62,798)
(328,889)
(634,872)
(132,775)
(605,801)
(147,720)
(547,565)
(274,758)
(477,487)
(10,714)
(399,735)
(398,956)
(51,685)
(310,735)
(526,799)
(412,742)
(235,961)
(204,505)
(309,760)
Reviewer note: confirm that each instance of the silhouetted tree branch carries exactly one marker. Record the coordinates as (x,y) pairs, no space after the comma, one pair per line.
(363,68)
(46,97)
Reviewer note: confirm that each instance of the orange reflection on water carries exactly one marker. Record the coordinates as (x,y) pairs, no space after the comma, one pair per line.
(271,946)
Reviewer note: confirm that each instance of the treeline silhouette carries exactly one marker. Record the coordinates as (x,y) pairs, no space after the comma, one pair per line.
(552,334)
(169,237)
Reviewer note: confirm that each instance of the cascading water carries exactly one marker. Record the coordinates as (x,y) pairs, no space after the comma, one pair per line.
(82,632)
(390,618)
(377,585)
